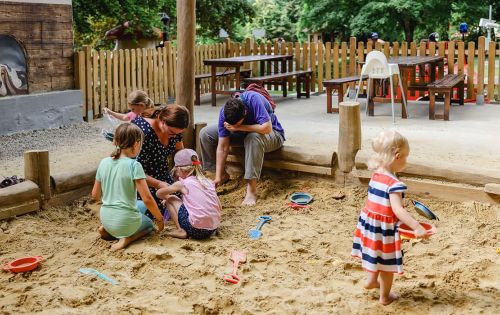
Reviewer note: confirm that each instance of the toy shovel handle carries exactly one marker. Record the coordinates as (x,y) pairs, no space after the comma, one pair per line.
(259,226)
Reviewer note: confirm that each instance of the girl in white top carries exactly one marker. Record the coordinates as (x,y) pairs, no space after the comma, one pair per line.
(197,215)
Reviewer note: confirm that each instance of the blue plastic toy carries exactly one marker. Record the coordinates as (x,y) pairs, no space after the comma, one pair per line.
(256,233)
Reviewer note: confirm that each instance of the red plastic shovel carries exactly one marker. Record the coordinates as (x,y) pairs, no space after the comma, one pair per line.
(237,258)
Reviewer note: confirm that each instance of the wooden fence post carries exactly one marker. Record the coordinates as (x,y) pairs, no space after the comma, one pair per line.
(349,135)
(88,81)
(480,65)
(36,169)
(197,130)
(491,70)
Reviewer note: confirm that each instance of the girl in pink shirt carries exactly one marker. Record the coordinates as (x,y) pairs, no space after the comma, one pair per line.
(197,215)
(138,101)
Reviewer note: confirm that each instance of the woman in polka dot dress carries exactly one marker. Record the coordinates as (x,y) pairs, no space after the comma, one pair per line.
(162,129)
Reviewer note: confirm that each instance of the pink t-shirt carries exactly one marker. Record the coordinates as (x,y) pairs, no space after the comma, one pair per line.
(202,204)
(131,116)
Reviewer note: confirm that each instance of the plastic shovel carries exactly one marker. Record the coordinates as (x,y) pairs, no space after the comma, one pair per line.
(237,258)
(90,271)
(256,233)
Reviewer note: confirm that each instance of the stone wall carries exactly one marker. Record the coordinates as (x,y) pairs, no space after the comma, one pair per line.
(40,111)
(45,29)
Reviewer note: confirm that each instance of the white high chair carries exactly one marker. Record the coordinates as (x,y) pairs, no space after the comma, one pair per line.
(377,67)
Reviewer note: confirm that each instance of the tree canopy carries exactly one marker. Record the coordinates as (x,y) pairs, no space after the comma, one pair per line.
(291,19)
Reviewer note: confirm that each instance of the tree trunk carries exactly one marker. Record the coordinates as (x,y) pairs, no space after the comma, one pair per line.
(184,83)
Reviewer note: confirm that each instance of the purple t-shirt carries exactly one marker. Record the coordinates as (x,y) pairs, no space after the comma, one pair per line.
(259,111)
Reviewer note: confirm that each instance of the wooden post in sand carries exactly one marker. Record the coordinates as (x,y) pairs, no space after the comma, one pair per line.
(36,169)
(184,82)
(197,130)
(349,135)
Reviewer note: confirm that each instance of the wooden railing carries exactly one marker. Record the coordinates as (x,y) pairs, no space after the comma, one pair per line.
(107,77)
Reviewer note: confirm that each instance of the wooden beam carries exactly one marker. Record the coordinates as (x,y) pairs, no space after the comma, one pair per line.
(18,209)
(36,169)
(438,190)
(285,165)
(73,180)
(197,130)
(184,83)
(19,193)
(493,189)
(349,135)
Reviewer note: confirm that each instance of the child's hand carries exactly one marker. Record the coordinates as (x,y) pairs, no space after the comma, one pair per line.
(159,226)
(184,191)
(420,232)
(105,110)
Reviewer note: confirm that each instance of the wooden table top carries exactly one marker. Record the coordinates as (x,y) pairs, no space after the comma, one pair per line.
(240,60)
(411,61)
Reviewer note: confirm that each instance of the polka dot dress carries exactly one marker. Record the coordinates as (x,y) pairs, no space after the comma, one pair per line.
(154,156)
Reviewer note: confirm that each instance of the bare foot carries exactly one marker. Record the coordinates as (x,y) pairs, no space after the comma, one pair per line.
(121,244)
(105,235)
(177,233)
(388,300)
(371,285)
(250,199)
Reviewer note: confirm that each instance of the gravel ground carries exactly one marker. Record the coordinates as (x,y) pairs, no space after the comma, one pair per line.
(70,146)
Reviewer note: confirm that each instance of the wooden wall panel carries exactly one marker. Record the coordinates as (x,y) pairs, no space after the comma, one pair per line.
(45,30)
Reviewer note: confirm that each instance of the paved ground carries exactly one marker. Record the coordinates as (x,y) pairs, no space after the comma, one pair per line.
(469,141)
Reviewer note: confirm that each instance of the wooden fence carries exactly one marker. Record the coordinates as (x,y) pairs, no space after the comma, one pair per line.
(107,77)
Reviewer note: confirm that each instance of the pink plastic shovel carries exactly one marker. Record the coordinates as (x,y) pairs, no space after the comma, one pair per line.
(237,258)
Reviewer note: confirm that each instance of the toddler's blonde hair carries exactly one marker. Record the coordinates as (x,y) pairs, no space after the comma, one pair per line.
(139,96)
(386,145)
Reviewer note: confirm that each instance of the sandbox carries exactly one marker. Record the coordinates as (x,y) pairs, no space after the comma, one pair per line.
(300,265)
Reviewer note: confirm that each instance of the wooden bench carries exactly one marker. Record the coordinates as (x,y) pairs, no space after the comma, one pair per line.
(303,76)
(197,80)
(337,84)
(445,85)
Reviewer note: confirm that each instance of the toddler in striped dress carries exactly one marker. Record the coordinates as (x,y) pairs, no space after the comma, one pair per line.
(376,239)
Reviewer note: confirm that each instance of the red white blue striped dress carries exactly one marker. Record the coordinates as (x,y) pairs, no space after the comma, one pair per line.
(376,239)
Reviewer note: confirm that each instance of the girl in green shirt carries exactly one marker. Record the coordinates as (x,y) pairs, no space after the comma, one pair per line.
(118,180)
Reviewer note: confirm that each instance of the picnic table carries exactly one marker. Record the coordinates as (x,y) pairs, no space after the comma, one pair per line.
(406,64)
(237,63)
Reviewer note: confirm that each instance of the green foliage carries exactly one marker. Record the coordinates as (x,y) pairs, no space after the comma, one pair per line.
(211,15)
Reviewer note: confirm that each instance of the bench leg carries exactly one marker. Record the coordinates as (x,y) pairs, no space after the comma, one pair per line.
(432,104)
(213,78)
(461,93)
(340,92)
(447,101)
(308,86)
(329,91)
(197,92)
(297,86)
(283,87)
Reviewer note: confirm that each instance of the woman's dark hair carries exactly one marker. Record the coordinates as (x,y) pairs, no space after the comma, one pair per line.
(126,135)
(173,115)
(234,110)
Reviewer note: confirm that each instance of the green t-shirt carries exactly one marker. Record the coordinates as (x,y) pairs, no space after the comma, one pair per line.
(119,214)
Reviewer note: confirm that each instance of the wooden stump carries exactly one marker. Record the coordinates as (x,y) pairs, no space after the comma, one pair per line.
(349,135)
(36,169)
(197,130)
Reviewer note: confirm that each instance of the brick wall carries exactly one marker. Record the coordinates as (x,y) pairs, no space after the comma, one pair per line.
(46,32)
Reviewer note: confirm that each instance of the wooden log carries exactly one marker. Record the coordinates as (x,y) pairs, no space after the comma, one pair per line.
(197,130)
(425,188)
(64,198)
(19,209)
(295,155)
(493,189)
(184,84)
(64,182)
(36,169)
(19,193)
(286,165)
(349,135)
(443,172)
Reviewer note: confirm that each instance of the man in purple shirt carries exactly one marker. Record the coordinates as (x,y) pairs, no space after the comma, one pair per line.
(249,120)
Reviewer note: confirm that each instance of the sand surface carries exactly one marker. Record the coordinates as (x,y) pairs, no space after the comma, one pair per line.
(301,264)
